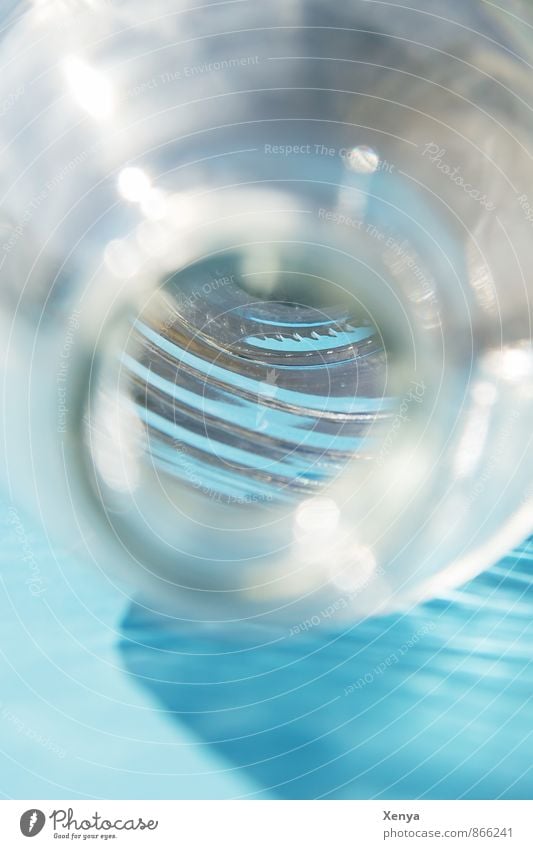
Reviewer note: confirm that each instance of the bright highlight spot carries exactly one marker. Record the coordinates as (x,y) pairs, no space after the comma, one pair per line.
(90,88)
(116,446)
(363,160)
(317,516)
(513,364)
(134,185)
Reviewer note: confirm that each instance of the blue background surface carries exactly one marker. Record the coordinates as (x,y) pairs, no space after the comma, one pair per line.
(73,724)
(100,697)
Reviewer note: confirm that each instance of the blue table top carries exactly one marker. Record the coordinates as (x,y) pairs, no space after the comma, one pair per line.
(102,698)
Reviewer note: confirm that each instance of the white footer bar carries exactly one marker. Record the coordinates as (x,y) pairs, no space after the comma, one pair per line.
(268,824)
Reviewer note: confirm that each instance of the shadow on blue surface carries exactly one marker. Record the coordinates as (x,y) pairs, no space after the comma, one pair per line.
(432,704)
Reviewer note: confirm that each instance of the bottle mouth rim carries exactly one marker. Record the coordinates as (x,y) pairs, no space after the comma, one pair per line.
(198,573)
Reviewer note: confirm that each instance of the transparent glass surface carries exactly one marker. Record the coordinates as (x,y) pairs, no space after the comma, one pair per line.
(266,297)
